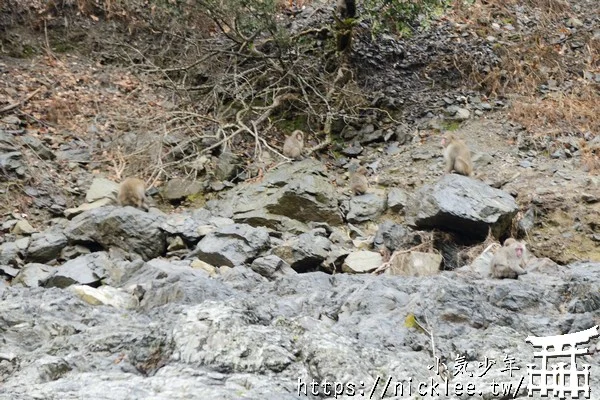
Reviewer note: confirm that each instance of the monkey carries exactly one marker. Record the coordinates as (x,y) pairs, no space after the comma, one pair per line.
(347,8)
(358,181)
(132,192)
(293,145)
(456,155)
(509,261)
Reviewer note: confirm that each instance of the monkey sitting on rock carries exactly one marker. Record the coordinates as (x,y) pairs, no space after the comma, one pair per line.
(358,181)
(509,261)
(293,145)
(457,155)
(132,192)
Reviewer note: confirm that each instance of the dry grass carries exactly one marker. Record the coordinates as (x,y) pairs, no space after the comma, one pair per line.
(530,57)
(559,113)
(467,255)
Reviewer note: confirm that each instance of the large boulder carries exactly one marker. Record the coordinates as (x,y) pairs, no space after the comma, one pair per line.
(232,245)
(292,193)
(128,228)
(45,246)
(305,252)
(464,205)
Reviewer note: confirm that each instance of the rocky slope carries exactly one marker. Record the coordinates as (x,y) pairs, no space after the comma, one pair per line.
(220,302)
(270,280)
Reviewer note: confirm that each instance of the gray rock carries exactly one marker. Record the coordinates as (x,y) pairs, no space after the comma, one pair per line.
(393,149)
(376,136)
(403,134)
(102,188)
(179,189)
(165,282)
(73,212)
(305,252)
(397,199)
(12,253)
(228,165)
(422,154)
(43,151)
(359,262)
(199,338)
(353,150)
(526,164)
(289,196)
(23,227)
(105,295)
(559,154)
(527,223)
(33,275)
(45,246)
(8,224)
(48,369)
(192,226)
(461,204)
(481,159)
(242,346)
(89,269)
(128,228)
(590,198)
(7,142)
(7,270)
(395,236)
(349,133)
(415,263)
(232,245)
(458,113)
(271,267)
(12,162)
(241,277)
(71,252)
(11,120)
(366,207)
(175,243)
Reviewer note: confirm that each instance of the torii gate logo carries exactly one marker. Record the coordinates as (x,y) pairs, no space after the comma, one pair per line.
(562,377)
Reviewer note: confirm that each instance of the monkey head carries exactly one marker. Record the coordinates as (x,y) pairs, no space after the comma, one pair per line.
(447,138)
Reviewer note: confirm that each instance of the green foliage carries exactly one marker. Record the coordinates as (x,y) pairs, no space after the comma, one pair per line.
(398,16)
(451,125)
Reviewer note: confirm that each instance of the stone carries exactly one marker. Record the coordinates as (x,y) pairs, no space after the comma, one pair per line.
(415,263)
(464,205)
(362,262)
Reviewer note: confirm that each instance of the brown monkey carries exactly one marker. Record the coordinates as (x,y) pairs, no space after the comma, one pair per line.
(293,145)
(358,181)
(132,192)
(509,261)
(346,8)
(456,155)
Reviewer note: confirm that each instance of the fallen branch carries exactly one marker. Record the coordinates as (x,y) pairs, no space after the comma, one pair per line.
(396,253)
(19,103)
